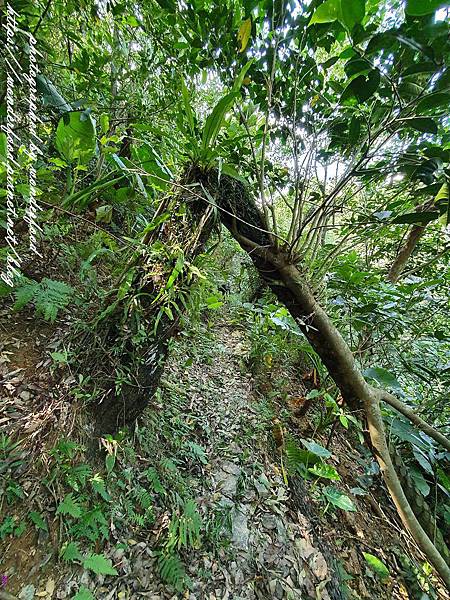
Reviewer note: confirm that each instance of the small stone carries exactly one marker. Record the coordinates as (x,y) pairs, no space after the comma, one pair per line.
(27,593)
(239,528)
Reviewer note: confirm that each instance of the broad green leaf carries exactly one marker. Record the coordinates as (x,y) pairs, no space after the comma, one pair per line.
(110,461)
(383,377)
(213,303)
(50,94)
(244,33)
(327,12)
(418,8)
(325,471)
(419,481)
(75,137)
(99,564)
(336,498)
(69,506)
(232,172)
(422,218)
(104,123)
(423,461)
(423,124)
(361,88)
(344,421)
(353,12)
(83,594)
(434,101)
(215,119)
(376,565)
(316,449)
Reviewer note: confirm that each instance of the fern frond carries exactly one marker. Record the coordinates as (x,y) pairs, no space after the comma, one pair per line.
(172,570)
(51,297)
(25,292)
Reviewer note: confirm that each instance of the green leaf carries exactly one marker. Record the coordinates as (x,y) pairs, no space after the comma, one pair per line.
(353,12)
(376,565)
(50,94)
(327,12)
(419,481)
(104,123)
(434,101)
(421,218)
(83,594)
(344,421)
(69,506)
(423,124)
(240,78)
(98,485)
(187,107)
(215,119)
(336,498)
(38,520)
(213,303)
(361,88)
(325,471)
(70,552)
(418,8)
(103,214)
(176,271)
(423,461)
(383,377)
(110,461)
(316,449)
(99,564)
(75,137)
(3,146)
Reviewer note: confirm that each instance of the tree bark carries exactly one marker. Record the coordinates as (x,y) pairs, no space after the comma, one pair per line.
(405,252)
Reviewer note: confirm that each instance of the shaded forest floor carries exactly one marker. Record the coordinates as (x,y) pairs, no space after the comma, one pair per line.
(205,454)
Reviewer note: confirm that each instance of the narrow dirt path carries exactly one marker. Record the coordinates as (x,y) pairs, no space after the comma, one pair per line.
(271,551)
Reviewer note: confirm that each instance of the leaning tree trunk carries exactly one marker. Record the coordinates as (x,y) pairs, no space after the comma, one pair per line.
(241,216)
(126,343)
(405,252)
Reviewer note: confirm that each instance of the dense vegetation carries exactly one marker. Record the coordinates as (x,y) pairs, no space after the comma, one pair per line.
(276,168)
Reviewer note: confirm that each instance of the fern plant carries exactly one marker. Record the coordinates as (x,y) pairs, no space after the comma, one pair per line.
(184,529)
(48,296)
(172,571)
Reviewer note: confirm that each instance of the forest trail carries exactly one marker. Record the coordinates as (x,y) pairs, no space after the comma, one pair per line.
(210,431)
(271,551)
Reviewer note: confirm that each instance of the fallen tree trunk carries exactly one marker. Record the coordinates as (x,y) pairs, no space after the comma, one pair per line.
(240,215)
